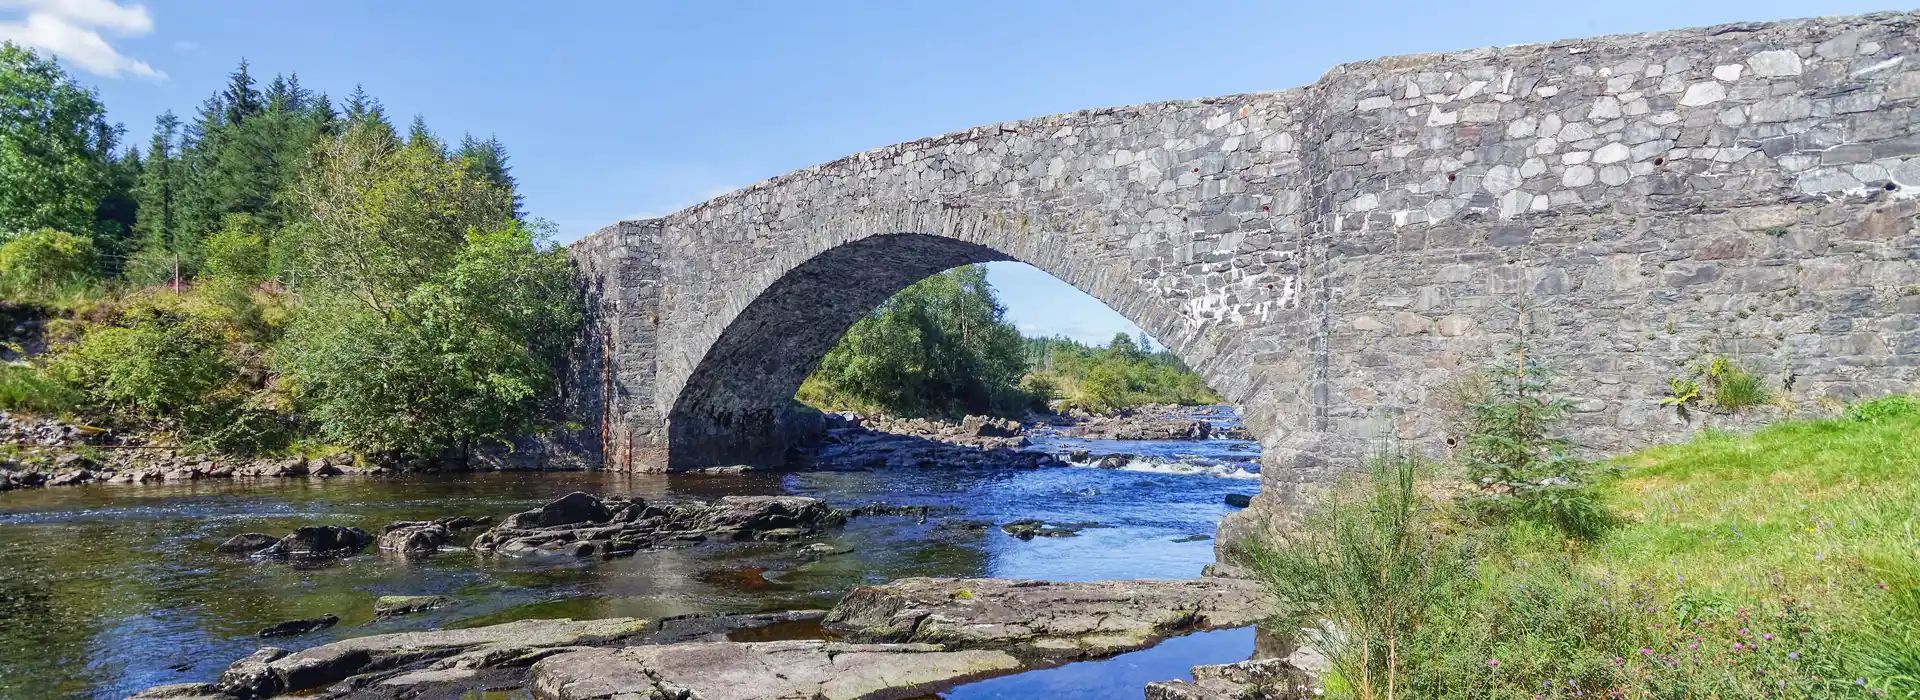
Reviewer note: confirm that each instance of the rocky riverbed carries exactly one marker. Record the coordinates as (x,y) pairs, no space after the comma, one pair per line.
(909,637)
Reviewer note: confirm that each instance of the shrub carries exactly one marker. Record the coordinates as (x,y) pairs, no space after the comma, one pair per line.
(157,365)
(26,389)
(237,253)
(1374,565)
(46,261)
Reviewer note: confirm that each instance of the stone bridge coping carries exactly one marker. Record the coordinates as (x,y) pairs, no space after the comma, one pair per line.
(1396,64)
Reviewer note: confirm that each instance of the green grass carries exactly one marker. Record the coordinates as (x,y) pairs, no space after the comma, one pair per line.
(1799,506)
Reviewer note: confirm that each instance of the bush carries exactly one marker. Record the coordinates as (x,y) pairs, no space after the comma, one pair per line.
(237,253)
(46,261)
(157,365)
(26,389)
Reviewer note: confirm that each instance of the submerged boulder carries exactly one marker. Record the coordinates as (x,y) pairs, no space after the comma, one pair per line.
(246,543)
(395,605)
(1029,529)
(298,627)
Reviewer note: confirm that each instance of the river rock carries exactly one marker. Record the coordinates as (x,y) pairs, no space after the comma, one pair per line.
(246,543)
(182,691)
(1239,500)
(785,670)
(423,537)
(1041,618)
(1029,529)
(619,527)
(72,478)
(1255,679)
(988,426)
(252,677)
(571,509)
(319,541)
(395,605)
(480,646)
(1141,423)
(292,628)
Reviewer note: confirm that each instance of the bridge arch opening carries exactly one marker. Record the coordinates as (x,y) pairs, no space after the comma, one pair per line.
(737,406)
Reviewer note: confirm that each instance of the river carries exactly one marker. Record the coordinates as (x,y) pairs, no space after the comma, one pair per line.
(108,589)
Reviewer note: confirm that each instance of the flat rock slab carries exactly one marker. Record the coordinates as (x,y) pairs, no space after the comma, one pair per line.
(1052,620)
(794,670)
(272,671)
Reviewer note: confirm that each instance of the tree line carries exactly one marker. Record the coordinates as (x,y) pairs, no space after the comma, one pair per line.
(943,347)
(279,273)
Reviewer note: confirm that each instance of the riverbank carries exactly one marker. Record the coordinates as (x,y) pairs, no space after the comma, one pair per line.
(36,452)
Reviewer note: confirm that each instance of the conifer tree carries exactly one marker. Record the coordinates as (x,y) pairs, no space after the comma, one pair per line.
(487,160)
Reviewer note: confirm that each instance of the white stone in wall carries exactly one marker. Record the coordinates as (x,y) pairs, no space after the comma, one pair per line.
(1501,179)
(1706,93)
(1606,107)
(1575,157)
(1778,63)
(1907,173)
(1440,117)
(1373,103)
(1729,73)
(1522,127)
(1611,153)
(1828,181)
(1613,175)
(1577,176)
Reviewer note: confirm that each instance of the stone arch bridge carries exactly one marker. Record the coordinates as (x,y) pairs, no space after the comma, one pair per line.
(1329,257)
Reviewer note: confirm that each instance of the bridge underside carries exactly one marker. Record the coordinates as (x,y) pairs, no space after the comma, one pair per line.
(735,408)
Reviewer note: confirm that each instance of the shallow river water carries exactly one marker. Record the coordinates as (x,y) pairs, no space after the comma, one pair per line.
(105,590)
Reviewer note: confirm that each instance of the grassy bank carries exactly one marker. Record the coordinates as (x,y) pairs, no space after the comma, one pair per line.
(1781,564)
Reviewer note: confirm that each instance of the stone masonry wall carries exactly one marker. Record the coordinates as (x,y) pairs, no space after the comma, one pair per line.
(1331,257)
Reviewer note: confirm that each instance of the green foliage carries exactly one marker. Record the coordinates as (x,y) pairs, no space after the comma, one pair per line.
(26,389)
(154,366)
(237,253)
(1121,375)
(56,147)
(1681,393)
(940,347)
(1885,408)
(1510,450)
(45,262)
(1779,564)
(432,318)
(1374,565)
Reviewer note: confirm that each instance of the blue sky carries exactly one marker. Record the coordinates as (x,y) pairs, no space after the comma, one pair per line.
(615,110)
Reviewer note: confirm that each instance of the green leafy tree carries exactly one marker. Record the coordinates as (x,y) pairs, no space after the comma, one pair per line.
(431,318)
(942,346)
(157,365)
(468,355)
(56,147)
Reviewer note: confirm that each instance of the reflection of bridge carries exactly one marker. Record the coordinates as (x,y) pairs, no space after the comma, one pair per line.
(1328,256)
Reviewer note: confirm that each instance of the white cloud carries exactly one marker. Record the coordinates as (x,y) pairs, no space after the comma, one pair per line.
(187,46)
(71,30)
